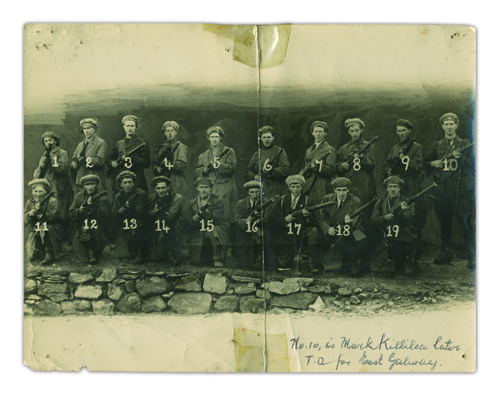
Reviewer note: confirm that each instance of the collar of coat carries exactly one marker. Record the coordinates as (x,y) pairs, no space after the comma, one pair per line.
(218,150)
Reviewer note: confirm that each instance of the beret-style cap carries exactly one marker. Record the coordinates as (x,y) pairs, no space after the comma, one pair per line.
(357,121)
(321,124)
(393,180)
(91,178)
(40,182)
(126,174)
(216,129)
(295,179)
(51,134)
(448,117)
(161,178)
(88,121)
(252,184)
(341,182)
(404,123)
(203,180)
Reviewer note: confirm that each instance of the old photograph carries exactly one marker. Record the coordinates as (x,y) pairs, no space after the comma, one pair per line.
(243,198)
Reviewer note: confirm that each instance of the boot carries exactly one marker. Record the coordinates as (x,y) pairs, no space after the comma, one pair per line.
(49,258)
(218,264)
(93,258)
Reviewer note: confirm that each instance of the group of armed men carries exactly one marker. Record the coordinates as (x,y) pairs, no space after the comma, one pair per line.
(329,212)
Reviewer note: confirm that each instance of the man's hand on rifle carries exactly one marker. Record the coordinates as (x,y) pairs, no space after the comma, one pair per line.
(89,201)
(345,165)
(358,156)
(404,206)
(33,212)
(158,169)
(74,164)
(313,165)
(456,154)
(289,218)
(114,164)
(122,210)
(332,231)
(437,164)
(305,212)
(388,217)
(196,218)
(347,219)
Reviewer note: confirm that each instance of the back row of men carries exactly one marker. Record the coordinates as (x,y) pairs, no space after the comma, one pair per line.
(324,172)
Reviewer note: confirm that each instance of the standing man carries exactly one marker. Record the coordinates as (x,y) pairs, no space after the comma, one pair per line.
(252,233)
(319,164)
(130,210)
(90,216)
(406,161)
(360,171)
(452,163)
(165,207)
(170,158)
(90,156)
(53,166)
(130,154)
(293,226)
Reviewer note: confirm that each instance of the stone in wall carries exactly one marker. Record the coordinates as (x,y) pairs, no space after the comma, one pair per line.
(215,283)
(187,284)
(227,303)
(154,304)
(88,292)
(103,307)
(115,292)
(245,289)
(263,294)
(283,288)
(52,288)
(78,278)
(191,303)
(106,276)
(58,297)
(30,286)
(130,303)
(251,304)
(47,308)
(72,307)
(151,287)
(300,300)
(130,286)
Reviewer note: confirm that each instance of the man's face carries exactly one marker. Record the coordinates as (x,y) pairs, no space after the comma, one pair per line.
(267,139)
(38,192)
(253,193)
(355,132)
(318,134)
(129,128)
(450,129)
(170,134)
(88,131)
(341,192)
(127,185)
(403,133)
(49,142)
(295,189)
(203,190)
(214,139)
(161,189)
(393,190)
(90,188)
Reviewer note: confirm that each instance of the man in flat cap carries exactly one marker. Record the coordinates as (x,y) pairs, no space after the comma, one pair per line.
(131,153)
(406,161)
(90,156)
(90,216)
(53,166)
(395,217)
(130,210)
(41,217)
(360,171)
(319,163)
(269,165)
(336,226)
(451,161)
(170,158)
(210,230)
(252,233)
(293,226)
(164,231)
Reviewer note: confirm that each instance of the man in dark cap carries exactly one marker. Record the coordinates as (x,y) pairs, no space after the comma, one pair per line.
(406,161)
(131,153)
(90,156)
(451,161)
(90,217)
(395,217)
(293,226)
(319,163)
(41,217)
(252,233)
(53,166)
(210,230)
(130,209)
(336,226)
(164,232)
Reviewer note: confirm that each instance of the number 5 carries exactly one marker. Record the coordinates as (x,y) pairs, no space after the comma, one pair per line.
(216,162)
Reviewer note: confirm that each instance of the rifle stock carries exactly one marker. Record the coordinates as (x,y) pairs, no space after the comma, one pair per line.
(46,156)
(313,208)
(398,210)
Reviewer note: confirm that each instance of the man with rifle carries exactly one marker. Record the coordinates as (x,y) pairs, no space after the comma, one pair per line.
(53,166)
(252,233)
(406,161)
(292,220)
(319,164)
(41,217)
(164,233)
(342,243)
(394,215)
(130,210)
(269,165)
(90,156)
(89,213)
(452,164)
(210,230)
(356,161)
(170,158)
(130,154)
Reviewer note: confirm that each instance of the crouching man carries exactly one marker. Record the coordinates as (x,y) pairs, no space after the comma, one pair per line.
(395,218)
(40,215)
(165,206)
(89,214)
(252,233)
(210,230)
(130,209)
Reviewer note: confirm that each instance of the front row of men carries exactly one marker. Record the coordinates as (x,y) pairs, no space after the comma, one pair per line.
(338,233)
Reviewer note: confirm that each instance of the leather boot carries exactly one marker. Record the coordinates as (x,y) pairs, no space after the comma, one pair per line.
(49,258)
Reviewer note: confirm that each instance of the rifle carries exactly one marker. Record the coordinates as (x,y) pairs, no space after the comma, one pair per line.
(97,197)
(46,157)
(396,211)
(46,198)
(210,166)
(313,208)
(350,158)
(353,215)
(166,155)
(270,164)
(120,160)
(255,208)
(81,157)
(396,162)
(309,171)
(450,154)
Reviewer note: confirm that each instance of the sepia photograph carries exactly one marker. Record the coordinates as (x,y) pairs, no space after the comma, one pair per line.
(249,198)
